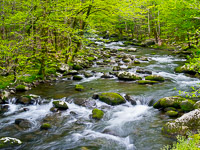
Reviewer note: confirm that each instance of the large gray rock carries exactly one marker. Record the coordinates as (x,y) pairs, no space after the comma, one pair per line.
(188,123)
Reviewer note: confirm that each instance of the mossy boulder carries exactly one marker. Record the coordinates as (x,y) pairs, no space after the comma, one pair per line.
(111,98)
(136,62)
(197,105)
(126,60)
(79,87)
(45,126)
(173,101)
(6,142)
(169,109)
(155,78)
(28,99)
(77,77)
(187,69)
(187,105)
(97,114)
(60,105)
(88,75)
(143,71)
(77,67)
(147,82)
(21,88)
(172,113)
(4,96)
(127,76)
(117,68)
(188,123)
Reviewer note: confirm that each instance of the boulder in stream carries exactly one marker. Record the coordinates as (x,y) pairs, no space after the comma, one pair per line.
(77,77)
(111,98)
(63,68)
(127,76)
(188,123)
(21,88)
(61,105)
(187,105)
(4,108)
(173,101)
(4,96)
(8,142)
(148,42)
(23,123)
(79,87)
(45,126)
(130,99)
(155,78)
(147,82)
(172,113)
(97,114)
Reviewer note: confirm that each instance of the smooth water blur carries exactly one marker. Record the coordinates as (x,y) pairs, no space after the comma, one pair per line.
(124,127)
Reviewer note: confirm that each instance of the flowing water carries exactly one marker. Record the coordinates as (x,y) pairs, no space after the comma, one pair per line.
(124,127)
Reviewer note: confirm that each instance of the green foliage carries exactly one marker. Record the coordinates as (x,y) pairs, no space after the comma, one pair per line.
(191,143)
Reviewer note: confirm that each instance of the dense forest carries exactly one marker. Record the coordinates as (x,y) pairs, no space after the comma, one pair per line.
(42,40)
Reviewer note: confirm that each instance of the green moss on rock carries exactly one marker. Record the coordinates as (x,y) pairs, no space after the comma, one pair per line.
(97,114)
(60,105)
(147,82)
(172,113)
(21,88)
(111,98)
(8,142)
(79,87)
(77,77)
(187,105)
(45,126)
(155,78)
(77,67)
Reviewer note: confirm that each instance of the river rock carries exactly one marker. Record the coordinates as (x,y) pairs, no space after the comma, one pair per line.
(117,68)
(8,142)
(97,114)
(21,88)
(106,76)
(173,101)
(132,49)
(188,123)
(111,98)
(88,75)
(187,105)
(155,78)
(4,96)
(148,42)
(77,77)
(126,60)
(147,82)
(23,123)
(197,105)
(4,108)
(28,99)
(130,99)
(143,71)
(61,105)
(45,126)
(89,103)
(63,68)
(127,76)
(172,113)
(72,72)
(187,69)
(79,87)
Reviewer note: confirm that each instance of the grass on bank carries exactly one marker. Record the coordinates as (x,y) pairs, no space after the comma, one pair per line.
(183,143)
